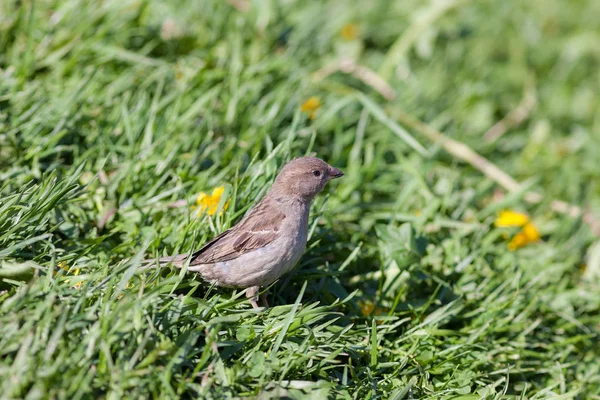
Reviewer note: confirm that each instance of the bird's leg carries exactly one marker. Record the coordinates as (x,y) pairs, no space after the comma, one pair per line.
(252,295)
(263,300)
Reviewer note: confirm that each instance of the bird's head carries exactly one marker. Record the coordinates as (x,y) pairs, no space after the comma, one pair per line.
(305,177)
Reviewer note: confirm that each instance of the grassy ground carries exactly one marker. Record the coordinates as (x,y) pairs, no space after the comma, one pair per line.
(114,115)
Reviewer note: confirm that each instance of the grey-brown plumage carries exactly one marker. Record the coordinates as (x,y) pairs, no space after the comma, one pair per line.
(270,239)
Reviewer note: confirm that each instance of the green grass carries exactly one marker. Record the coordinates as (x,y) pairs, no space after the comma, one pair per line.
(407,289)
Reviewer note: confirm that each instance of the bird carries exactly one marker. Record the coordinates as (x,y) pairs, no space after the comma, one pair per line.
(269,240)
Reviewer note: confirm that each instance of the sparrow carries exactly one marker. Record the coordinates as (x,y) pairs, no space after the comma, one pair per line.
(270,239)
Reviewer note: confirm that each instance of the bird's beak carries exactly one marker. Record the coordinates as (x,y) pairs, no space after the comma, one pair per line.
(334,173)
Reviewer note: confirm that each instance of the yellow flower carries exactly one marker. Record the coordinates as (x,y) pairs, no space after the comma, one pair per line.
(210,202)
(509,218)
(349,32)
(528,233)
(311,106)
(65,267)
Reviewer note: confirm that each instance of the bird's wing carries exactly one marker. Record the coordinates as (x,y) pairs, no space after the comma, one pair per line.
(259,228)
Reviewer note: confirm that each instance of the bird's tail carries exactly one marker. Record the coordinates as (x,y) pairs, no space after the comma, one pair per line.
(176,261)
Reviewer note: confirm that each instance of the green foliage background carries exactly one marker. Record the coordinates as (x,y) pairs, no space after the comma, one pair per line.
(114,112)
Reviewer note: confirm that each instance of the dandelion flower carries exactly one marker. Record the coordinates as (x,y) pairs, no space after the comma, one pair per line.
(528,233)
(210,202)
(65,267)
(311,106)
(509,218)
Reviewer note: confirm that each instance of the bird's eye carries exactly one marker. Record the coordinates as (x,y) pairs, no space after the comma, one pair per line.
(317,173)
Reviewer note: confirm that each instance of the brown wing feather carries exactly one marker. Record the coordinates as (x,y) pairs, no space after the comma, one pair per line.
(259,228)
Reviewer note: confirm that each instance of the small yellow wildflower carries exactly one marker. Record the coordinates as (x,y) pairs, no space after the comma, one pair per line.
(65,267)
(528,233)
(311,106)
(349,32)
(210,202)
(508,218)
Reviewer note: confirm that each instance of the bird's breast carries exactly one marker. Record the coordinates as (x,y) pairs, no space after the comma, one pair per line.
(296,234)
